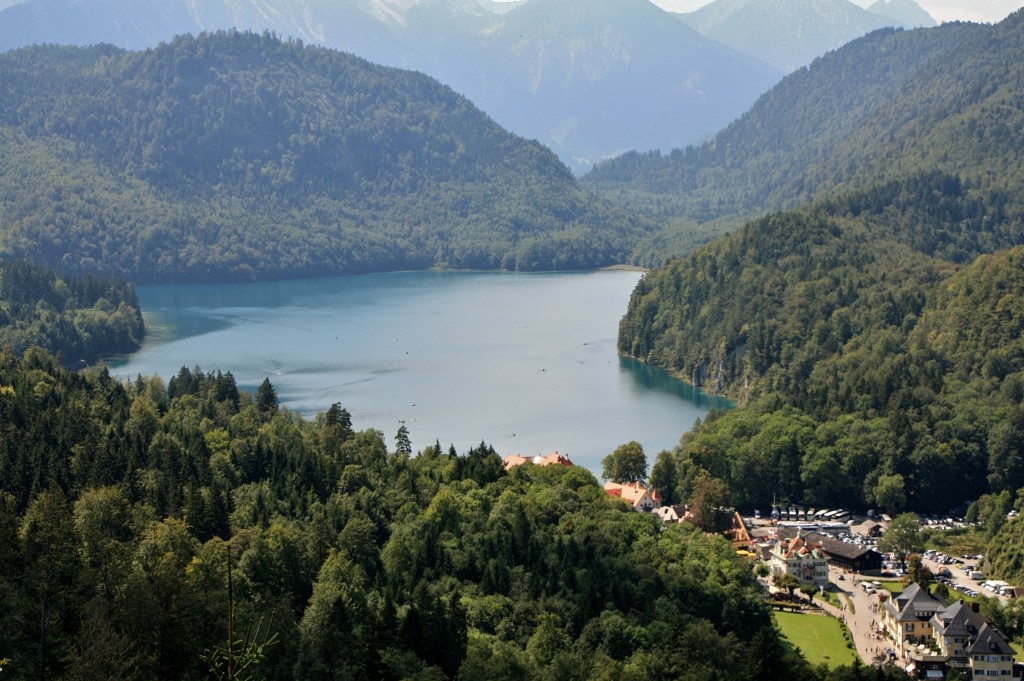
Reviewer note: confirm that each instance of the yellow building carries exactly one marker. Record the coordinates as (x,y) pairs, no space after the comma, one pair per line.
(991,656)
(907,617)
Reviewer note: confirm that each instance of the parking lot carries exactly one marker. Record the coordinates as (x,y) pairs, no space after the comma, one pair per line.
(964,574)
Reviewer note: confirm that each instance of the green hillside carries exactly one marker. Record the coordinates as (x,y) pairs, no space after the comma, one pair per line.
(887,106)
(235,156)
(871,329)
(873,342)
(81,318)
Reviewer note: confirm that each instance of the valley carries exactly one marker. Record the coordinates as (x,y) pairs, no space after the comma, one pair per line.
(363,287)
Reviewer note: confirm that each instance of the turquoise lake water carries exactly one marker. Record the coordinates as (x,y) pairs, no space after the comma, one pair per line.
(525,362)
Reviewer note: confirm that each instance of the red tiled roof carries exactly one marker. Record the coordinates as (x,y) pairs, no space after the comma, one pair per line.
(553,459)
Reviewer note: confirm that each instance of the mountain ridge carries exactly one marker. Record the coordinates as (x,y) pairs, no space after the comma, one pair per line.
(646,103)
(889,103)
(234,156)
(791,33)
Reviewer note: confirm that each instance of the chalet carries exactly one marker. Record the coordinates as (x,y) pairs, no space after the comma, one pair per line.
(849,556)
(869,528)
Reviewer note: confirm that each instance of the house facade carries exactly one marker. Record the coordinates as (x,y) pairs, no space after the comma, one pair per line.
(954,637)
(907,617)
(800,558)
(990,655)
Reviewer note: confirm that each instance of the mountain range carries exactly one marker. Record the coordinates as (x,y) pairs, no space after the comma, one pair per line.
(882,106)
(792,33)
(588,78)
(233,156)
(868,321)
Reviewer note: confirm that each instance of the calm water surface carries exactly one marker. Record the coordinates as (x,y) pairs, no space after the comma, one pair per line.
(525,362)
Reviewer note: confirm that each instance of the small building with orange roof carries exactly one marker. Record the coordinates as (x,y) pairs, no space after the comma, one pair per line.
(553,459)
(635,493)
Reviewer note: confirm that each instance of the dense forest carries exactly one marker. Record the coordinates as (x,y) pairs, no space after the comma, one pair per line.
(235,156)
(873,339)
(870,333)
(125,506)
(81,319)
(883,107)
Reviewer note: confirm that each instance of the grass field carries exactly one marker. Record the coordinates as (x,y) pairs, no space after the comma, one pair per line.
(818,637)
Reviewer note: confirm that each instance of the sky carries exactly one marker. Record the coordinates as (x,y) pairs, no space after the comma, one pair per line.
(941,10)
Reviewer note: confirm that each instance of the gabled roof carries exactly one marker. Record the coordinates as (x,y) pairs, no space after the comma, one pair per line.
(830,545)
(990,642)
(799,547)
(914,603)
(959,619)
(672,512)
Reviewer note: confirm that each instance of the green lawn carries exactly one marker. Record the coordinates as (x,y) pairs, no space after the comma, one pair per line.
(820,638)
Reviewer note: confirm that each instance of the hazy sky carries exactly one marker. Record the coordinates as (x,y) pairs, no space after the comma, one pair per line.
(941,10)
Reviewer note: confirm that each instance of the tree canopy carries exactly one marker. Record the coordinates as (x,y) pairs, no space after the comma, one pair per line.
(119,502)
(80,318)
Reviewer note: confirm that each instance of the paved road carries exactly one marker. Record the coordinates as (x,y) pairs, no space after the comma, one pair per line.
(863,620)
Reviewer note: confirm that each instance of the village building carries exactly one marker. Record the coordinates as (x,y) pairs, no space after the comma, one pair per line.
(907,617)
(990,654)
(842,554)
(805,561)
(671,513)
(936,639)
(553,459)
(636,494)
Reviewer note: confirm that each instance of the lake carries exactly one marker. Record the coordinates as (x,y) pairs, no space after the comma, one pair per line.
(524,362)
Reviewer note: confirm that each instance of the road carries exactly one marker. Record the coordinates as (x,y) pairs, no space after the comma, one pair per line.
(863,619)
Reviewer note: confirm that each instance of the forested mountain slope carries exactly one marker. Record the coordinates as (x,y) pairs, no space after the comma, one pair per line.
(872,341)
(81,318)
(883,107)
(120,505)
(588,78)
(234,156)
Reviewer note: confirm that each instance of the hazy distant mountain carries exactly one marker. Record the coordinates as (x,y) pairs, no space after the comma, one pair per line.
(357,26)
(792,33)
(589,78)
(234,156)
(906,12)
(593,78)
